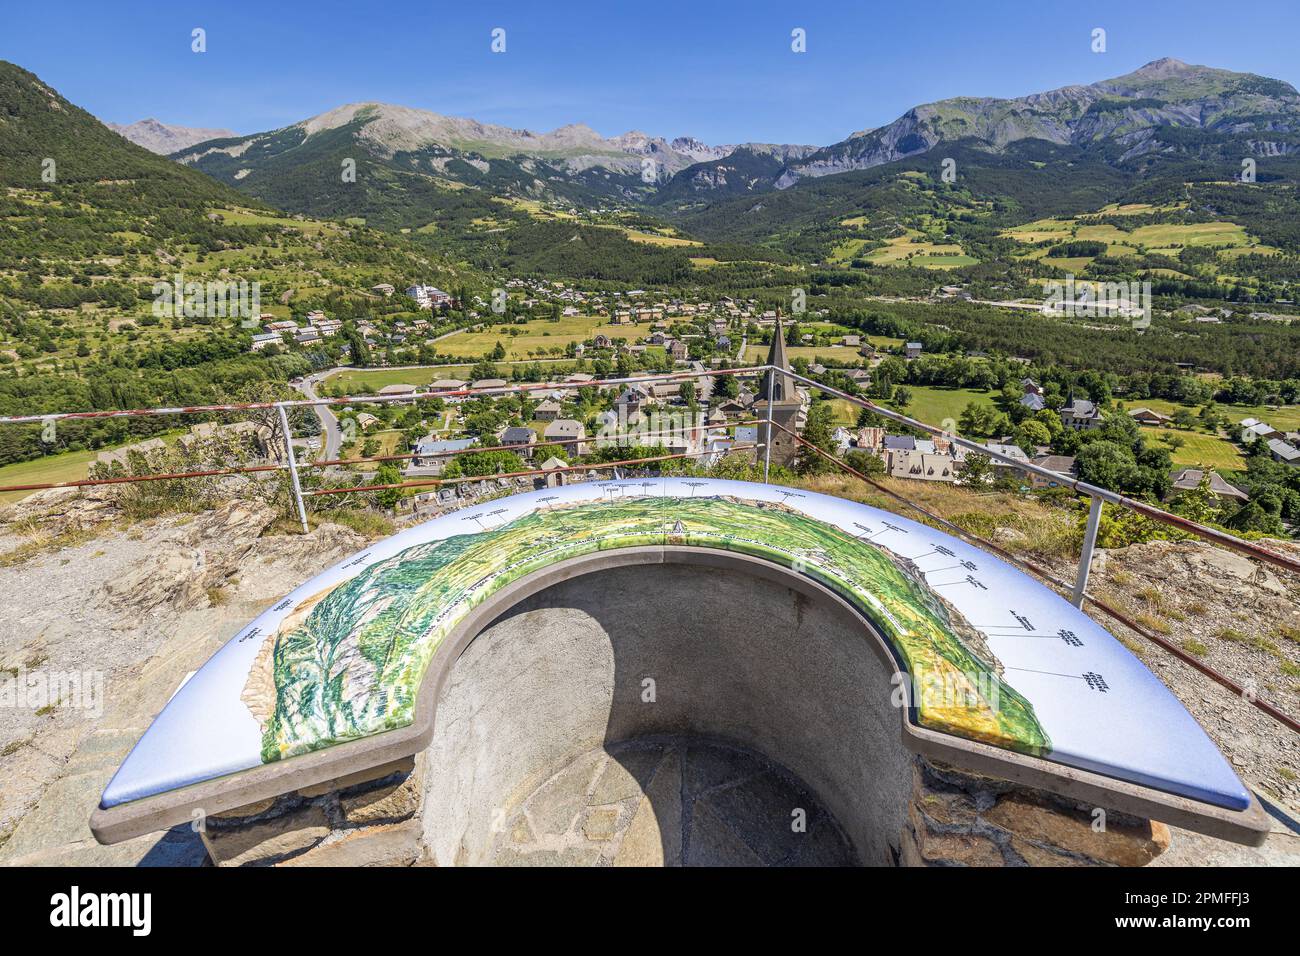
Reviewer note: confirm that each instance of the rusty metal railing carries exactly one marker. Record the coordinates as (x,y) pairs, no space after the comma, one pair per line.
(1098,496)
(1046,575)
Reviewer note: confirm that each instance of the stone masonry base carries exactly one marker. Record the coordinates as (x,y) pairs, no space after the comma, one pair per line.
(370,819)
(954,818)
(957,818)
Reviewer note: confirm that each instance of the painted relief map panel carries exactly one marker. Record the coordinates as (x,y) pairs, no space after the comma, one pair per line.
(992,655)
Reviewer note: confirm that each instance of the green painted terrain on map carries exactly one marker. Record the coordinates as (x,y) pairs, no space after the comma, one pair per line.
(351,664)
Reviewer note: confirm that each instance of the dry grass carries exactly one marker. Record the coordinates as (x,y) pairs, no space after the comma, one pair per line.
(1019,524)
(1150,596)
(1152,623)
(42,541)
(364,521)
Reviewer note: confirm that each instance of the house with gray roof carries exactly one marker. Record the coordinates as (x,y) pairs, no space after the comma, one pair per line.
(1189,479)
(1081,415)
(432,454)
(520,440)
(569,431)
(1284,451)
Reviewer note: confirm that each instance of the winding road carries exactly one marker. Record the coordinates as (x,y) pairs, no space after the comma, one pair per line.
(333,435)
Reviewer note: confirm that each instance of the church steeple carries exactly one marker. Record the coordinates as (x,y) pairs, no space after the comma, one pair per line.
(783,387)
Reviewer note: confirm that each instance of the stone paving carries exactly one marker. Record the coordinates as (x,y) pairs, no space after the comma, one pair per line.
(670,802)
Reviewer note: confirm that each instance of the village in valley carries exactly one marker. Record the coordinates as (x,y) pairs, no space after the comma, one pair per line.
(444,413)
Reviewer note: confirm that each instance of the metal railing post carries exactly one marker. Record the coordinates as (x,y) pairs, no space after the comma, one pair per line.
(1085,557)
(767,441)
(1214,536)
(293,467)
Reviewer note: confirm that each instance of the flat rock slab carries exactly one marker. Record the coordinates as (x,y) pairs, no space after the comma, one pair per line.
(670,802)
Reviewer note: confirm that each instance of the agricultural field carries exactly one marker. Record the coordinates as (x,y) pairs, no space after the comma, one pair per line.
(657,238)
(65,466)
(68,466)
(249,217)
(534,208)
(538,338)
(934,405)
(1199,449)
(846,251)
(1158,238)
(373,379)
(906,250)
(844,412)
(1283,417)
(1213,451)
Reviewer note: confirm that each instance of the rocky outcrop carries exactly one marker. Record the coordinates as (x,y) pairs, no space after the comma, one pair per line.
(958,818)
(370,819)
(57,511)
(1240,617)
(134,610)
(219,546)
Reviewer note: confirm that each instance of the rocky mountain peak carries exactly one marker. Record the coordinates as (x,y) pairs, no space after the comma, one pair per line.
(1164,67)
(165,138)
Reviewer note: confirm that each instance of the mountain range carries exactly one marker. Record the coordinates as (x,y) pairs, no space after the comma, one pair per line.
(464,150)
(1121,118)
(164,138)
(1124,113)
(494,197)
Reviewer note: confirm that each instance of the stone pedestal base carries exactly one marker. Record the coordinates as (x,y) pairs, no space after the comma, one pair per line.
(369,819)
(954,818)
(957,818)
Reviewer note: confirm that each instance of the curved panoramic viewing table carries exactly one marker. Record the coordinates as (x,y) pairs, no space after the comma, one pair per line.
(329,680)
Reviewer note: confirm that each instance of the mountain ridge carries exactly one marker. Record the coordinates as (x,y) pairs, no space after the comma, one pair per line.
(1124,109)
(165,138)
(1121,118)
(390,129)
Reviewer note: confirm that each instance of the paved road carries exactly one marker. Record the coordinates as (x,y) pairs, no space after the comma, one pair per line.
(333,436)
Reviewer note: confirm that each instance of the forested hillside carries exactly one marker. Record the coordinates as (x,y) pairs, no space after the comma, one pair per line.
(82,246)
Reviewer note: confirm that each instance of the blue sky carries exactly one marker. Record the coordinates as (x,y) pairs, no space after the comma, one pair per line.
(722,72)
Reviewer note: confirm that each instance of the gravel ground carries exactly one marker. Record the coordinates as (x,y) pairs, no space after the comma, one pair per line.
(1240,619)
(129,614)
